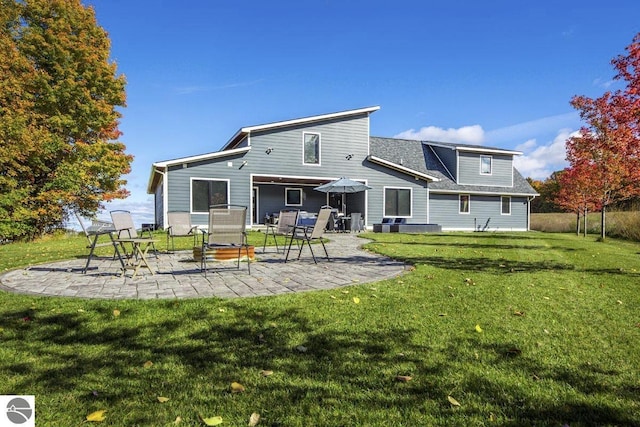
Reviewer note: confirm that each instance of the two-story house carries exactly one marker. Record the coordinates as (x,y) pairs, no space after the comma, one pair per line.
(275,166)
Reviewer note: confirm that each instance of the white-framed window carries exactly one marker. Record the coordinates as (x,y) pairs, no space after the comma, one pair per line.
(486,165)
(206,192)
(505,202)
(397,202)
(465,203)
(293,196)
(311,149)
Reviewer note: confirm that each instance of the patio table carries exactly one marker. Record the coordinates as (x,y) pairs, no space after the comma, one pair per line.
(138,257)
(94,235)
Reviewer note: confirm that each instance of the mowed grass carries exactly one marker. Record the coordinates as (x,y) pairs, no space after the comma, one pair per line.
(492,329)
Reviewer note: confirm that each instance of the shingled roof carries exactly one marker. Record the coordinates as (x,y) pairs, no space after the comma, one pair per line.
(419,157)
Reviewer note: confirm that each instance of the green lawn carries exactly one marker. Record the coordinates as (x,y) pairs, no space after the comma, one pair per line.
(492,329)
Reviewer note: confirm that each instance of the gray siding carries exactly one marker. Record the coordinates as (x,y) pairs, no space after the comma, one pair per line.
(338,139)
(179,183)
(448,158)
(485,211)
(469,170)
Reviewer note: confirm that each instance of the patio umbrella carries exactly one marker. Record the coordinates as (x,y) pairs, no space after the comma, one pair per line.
(343,186)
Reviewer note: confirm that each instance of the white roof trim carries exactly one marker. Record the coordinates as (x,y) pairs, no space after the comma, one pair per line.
(478,149)
(201,157)
(402,168)
(492,193)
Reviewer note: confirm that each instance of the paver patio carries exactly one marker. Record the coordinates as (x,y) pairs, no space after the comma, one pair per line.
(178,276)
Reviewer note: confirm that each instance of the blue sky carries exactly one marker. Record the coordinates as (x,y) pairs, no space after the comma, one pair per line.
(497,73)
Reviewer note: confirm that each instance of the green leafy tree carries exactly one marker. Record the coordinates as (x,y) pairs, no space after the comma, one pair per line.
(548,190)
(59,99)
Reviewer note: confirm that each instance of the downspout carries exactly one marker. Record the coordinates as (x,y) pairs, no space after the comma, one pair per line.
(529,199)
(165,195)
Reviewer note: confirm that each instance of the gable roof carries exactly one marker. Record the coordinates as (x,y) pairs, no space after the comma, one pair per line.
(242,133)
(419,159)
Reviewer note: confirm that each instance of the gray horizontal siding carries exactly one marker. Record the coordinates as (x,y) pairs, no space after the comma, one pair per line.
(484,211)
(469,170)
(448,158)
(338,139)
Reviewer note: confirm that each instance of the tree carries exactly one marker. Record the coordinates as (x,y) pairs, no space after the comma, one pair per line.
(576,190)
(607,150)
(59,95)
(548,191)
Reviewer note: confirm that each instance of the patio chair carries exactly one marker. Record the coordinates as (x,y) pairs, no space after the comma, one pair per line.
(92,233)
(308,234)
(179,225)
(227,229)
(125,229)
(356,221)
(287,219)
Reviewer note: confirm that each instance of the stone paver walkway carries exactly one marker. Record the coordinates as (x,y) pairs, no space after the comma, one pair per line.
(177,275)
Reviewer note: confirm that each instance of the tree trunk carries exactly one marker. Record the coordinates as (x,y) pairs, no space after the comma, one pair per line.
(578,222)
(603,230)
(586,211)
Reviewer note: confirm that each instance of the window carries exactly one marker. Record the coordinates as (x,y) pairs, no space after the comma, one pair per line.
(506,205)
(465,201)
(397,202)
(207,192)
(293,196)
(311,149)
(485,165)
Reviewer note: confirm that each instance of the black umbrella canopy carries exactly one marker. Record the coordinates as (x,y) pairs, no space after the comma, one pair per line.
(343,185)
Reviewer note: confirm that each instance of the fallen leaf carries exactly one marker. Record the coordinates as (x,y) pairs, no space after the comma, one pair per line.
(148,364)
(356,300)
(266,373)
(403,378)
(222,310)
(80,310)
(162,399)
(518,313)
(619,302)
(332,296)
(97,416)
(212,421)
(178,420)
(254,419)
(478,329)
(236,387)
(345,292)
(453,401)
(116,313)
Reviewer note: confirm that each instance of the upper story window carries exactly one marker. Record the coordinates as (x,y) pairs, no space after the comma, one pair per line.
(485,165)
(311,149)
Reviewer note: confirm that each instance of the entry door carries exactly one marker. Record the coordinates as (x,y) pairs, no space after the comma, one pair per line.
(254,206)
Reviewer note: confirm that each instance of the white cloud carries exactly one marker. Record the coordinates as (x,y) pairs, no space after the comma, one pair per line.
(539,161)
(509,135)
(465,135)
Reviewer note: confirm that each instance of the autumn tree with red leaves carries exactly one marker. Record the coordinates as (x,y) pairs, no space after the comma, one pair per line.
(606,153)
(576,194)
(59,95)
